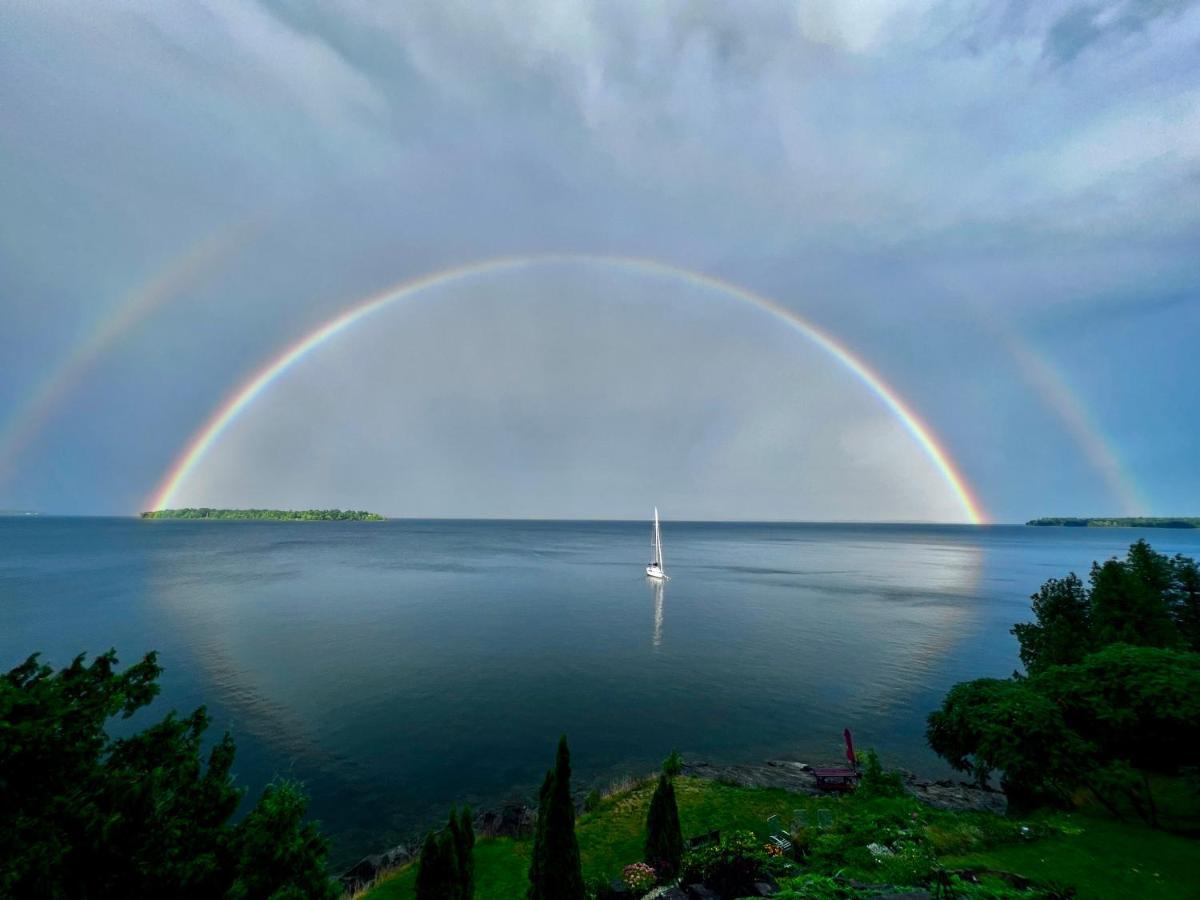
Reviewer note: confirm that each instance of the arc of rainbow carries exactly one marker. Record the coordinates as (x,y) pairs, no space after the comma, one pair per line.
(1053,389)
(182,271)
(243,396)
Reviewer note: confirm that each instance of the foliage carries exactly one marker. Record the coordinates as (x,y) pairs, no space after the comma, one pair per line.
(877,783)
(438,868)
(1112,694)
(286,515)
(592,800)
(146,815)
(664,839)
(1119,522)
(1100,857)
(555,871)
(1006,725)
(639,877)
(464,835)
(730,866)
(447,864)
(673,764)
(280,856)
(1062,632)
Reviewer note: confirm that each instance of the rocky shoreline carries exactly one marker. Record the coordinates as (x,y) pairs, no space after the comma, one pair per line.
(517,820)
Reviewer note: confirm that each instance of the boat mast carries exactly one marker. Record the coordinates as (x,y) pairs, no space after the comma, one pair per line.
(657,541)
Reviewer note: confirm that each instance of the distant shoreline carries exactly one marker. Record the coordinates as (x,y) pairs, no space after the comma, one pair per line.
(1126,522)
(266,515)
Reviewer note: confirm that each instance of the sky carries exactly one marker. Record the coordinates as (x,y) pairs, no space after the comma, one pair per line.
(992,210)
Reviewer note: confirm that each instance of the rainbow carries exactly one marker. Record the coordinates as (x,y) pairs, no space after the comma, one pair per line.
(1053,389)
(242,397)
(180,273)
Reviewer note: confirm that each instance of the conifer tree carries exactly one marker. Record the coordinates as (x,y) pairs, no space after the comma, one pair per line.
(536,859)
(555,872)
(664,838)
(465,836)
(427,886)
(437,872)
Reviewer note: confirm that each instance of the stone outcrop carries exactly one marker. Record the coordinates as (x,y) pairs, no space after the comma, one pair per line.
(796,776)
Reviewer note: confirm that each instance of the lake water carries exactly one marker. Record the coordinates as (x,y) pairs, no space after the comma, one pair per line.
(396,668)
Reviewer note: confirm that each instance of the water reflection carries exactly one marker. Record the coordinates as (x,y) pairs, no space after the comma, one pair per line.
(657,591)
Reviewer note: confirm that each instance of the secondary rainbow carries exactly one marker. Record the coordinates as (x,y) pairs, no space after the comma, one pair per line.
(178,275)
(250,390)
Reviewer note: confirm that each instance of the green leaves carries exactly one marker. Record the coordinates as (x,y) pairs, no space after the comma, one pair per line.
(1107,700)
(664,838)
(147,815)
(555,870)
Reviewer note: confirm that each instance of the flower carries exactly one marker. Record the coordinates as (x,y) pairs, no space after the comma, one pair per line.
(638,876)
(773,849)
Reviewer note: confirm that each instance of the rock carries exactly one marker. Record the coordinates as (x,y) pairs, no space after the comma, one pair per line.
(369,868)
(509,821)
(793,775)
(763,889)
(701,892)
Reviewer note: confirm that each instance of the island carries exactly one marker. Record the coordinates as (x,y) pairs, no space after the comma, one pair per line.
(269,515)
(1128,522)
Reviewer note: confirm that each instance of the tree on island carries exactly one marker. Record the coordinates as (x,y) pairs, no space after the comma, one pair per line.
(147,815)
(555,869)
(664,838)
(1112,694)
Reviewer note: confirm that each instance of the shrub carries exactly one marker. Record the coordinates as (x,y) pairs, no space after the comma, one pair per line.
(673,764)
(877,783)
(592,800)
(730,867)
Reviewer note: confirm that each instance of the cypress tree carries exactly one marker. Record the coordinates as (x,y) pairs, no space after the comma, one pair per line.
(537,858)
(556,872)
(664,838)
(453,839)
(437,872)
(466,856)
(427,886)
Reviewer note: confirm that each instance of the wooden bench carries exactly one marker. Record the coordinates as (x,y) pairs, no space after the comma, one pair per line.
(836,779)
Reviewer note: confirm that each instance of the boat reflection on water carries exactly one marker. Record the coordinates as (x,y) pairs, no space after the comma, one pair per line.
(658,587)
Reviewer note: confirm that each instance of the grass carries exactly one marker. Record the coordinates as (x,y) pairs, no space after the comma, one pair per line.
(611,836)
(1099,857)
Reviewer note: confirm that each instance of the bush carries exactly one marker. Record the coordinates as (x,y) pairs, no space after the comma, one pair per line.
(730,867)
(673,764)
(877,783)
(592,800)
(146,815)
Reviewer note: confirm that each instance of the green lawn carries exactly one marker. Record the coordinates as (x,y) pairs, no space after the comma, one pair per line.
(611,836)
(1100,857)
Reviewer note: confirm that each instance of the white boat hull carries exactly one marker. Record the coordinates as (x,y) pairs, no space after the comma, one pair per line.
(655,572)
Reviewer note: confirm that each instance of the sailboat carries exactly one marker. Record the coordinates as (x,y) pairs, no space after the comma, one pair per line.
(655,569)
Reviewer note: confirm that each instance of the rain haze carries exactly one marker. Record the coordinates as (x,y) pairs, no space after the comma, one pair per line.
(904,261)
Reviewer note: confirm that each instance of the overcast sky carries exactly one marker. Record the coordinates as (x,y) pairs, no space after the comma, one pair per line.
(995,205)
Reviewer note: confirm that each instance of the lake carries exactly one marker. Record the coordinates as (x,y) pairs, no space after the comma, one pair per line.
(396,668)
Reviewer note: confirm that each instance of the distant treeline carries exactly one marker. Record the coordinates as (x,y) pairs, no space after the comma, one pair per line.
(304,515)
(1131,522)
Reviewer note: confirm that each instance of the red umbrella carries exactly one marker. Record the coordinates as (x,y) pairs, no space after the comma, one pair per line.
(850,748)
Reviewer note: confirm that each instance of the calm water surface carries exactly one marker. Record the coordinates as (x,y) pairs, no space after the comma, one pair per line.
(398,667)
